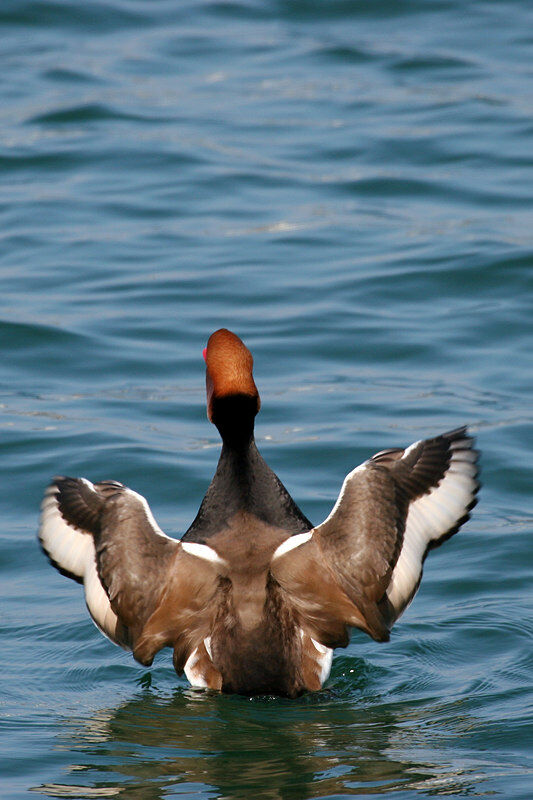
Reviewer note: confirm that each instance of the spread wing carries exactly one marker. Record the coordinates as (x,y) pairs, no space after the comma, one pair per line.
(143,589)
(370,550)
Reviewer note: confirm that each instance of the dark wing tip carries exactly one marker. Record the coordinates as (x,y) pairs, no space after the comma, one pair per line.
(78,502)
(461,435)
(48,544)
(62,571)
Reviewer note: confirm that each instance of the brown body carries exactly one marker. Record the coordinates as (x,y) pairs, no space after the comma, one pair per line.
(253,599)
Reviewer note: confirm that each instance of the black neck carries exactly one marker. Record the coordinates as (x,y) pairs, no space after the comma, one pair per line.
(234,417)
(243,481)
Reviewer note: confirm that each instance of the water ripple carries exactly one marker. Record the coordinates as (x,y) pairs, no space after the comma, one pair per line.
(348,186)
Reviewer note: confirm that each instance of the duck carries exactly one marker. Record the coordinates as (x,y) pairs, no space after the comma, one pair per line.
(254,599)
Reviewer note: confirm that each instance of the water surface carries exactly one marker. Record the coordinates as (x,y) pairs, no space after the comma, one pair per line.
(348,187)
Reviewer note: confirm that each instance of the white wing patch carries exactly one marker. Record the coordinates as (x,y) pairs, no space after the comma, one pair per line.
(65,545)
(98,604)
(429,518)
(73,551)
(291,543)
(202,551)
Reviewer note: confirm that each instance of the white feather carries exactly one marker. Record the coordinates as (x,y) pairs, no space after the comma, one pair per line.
(410,449)
(430,517)
(202,551)
(323,657)
(98,603)
(338,501)
(148,511)
(67,546)
(194,675)
(291,543)
(325,660)
(74,552)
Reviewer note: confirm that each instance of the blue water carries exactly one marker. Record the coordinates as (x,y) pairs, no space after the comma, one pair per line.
(348,186)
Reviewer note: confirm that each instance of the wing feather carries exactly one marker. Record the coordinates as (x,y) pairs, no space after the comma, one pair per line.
(69,508)
(391,511)
(143,589)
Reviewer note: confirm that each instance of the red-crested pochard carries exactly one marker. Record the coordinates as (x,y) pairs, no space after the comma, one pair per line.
(254,599)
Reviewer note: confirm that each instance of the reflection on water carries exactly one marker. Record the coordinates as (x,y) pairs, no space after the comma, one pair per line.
(208,745)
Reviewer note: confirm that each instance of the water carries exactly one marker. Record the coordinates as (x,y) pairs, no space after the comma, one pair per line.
(347,186)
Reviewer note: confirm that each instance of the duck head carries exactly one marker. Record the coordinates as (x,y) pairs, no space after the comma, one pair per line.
(232,396)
